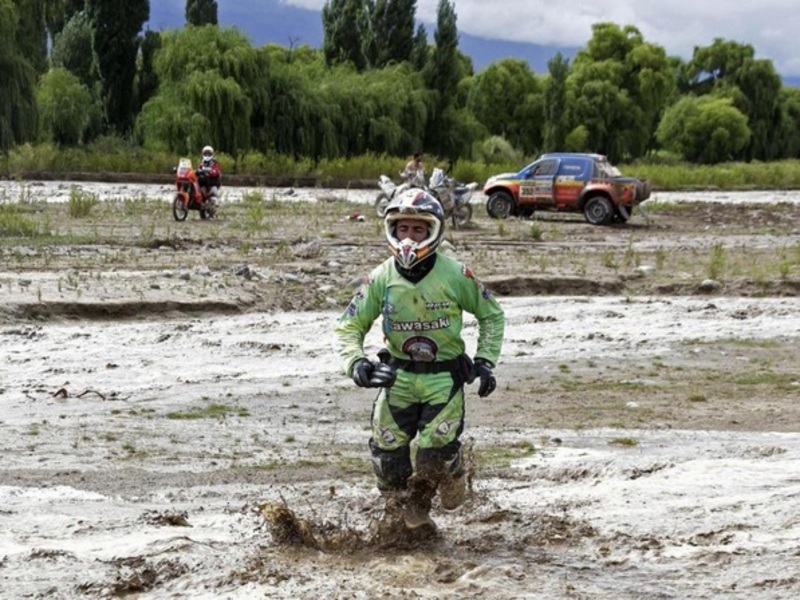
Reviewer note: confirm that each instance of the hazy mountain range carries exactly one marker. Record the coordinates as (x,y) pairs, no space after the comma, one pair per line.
(270,21)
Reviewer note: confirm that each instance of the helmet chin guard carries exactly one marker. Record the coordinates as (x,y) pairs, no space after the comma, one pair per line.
(417,205)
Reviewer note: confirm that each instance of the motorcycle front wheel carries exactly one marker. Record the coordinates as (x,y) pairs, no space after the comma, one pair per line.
(381,202)
(462,215)
(179,209)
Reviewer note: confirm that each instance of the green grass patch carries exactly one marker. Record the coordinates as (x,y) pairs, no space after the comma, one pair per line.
(625,442)
(209,412)
(501,456)
(782,380)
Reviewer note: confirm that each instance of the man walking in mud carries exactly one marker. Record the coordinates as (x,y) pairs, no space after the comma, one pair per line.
(421,296)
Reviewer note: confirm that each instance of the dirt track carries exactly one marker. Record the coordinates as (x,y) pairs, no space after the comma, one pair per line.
(164,381)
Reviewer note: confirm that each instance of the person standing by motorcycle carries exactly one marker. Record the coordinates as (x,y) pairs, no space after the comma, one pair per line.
(414,172)
(209,174)
(421,296)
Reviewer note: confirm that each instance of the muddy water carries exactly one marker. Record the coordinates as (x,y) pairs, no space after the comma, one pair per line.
(108,487)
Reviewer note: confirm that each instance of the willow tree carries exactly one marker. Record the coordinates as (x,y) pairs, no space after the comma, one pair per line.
(788,130)
(66,107)
(704,129)
(730,69)
(207,79)
(18,114)
(617,90)
(506,98)
(31,30)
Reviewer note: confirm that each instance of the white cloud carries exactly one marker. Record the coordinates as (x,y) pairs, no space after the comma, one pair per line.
(772,27)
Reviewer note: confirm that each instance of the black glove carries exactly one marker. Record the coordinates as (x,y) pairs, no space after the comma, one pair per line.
(383,375)
(371,375)
(362,371)
(483,371)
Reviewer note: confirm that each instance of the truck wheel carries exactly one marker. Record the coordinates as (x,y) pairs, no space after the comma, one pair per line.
(499,205)
(598,210)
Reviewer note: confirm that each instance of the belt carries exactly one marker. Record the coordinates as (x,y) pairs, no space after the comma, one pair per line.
(443,366)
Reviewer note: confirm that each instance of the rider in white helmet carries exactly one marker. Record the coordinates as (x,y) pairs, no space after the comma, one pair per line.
(209,174)
(420,295)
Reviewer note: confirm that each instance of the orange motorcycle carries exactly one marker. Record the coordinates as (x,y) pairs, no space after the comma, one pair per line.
(187,196)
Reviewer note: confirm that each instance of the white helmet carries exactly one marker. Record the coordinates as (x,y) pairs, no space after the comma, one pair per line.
(208,152)
(419,205)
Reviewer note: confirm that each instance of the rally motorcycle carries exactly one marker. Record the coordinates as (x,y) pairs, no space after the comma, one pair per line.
(453,196)
(389,189)
(186,196)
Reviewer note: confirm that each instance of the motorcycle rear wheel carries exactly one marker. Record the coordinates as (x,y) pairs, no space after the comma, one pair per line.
(381,202)
(179,209)
(462,215)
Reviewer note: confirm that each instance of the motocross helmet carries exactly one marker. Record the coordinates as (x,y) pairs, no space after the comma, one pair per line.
(415,204)
(208,152)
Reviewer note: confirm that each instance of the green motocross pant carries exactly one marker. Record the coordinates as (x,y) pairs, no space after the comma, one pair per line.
(428,406)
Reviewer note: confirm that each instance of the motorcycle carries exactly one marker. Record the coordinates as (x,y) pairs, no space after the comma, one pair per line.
(453,196)
(187,198)
(389,189)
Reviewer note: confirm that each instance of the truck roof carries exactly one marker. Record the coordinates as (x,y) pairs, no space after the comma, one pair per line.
(594,156)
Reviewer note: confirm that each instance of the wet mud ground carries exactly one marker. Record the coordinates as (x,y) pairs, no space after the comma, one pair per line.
(174,424)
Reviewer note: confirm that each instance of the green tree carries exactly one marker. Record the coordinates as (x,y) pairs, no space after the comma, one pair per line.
(617,90)
(442,75)
(704,129)
(31,30)
(66,107)
(787,133)
(146,78)
(342,42)
(730,69)
(18,113)
(556,119)
(505,97)
(209,78)
(201,12)
(63,11)
(72,49)
(420,53)
(116,25)
(392,28)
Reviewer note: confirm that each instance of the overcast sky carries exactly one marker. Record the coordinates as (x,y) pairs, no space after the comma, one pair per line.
(772,27)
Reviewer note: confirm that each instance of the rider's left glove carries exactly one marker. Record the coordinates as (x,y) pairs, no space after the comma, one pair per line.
(483,370)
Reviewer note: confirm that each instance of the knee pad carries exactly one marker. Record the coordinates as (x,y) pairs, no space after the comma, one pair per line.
(391,467)
(445,460)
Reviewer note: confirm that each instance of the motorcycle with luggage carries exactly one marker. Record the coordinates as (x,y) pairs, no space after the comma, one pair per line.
(191,193)
(390,189)
(454,197)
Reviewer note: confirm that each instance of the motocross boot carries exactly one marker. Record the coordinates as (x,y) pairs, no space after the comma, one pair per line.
(453,490)
(417,503)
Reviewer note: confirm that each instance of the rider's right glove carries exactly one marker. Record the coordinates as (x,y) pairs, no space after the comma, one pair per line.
(371,375)
(483,370)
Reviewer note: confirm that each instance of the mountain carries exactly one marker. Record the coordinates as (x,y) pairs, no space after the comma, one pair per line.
(271,21)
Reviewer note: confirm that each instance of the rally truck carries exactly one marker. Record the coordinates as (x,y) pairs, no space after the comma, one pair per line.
(566,182)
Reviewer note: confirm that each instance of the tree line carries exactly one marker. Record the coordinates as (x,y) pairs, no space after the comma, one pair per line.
(77,70)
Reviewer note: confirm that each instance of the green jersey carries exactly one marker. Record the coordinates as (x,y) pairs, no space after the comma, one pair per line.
(421,321)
